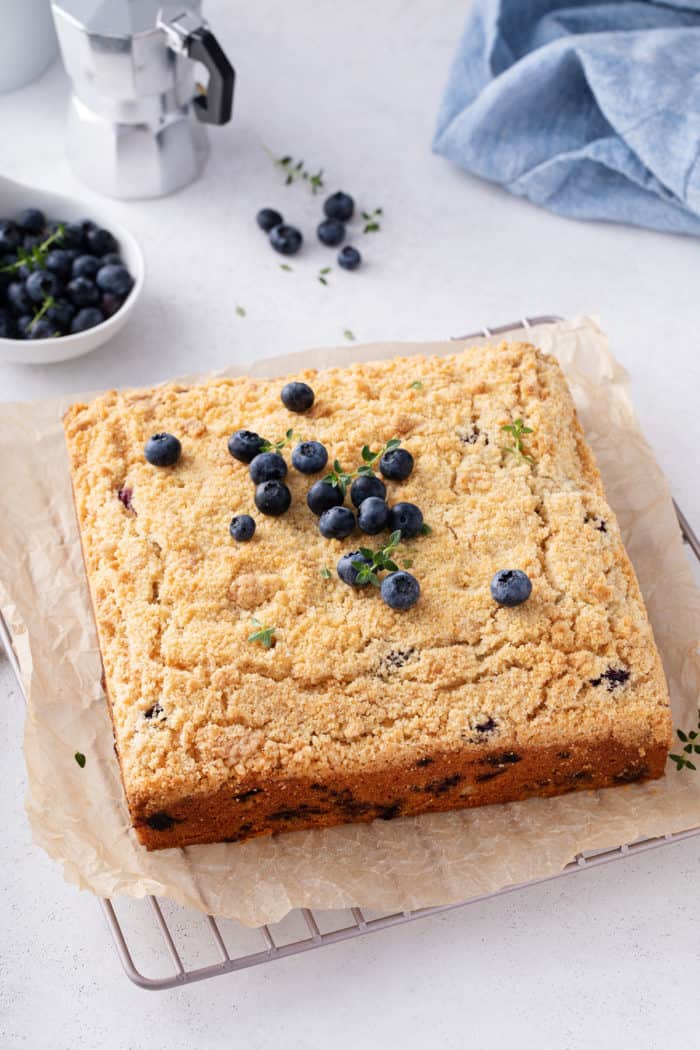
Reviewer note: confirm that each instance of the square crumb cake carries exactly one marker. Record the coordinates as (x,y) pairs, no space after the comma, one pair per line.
(500,651)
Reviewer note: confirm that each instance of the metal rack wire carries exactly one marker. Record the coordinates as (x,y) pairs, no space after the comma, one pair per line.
(182,946)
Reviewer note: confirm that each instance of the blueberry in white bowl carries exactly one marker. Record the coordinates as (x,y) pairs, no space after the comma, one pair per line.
(42,235)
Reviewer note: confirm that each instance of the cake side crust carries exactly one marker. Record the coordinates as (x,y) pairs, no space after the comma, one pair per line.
(430,785)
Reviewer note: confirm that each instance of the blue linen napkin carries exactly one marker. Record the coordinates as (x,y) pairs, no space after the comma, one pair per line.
(591,109)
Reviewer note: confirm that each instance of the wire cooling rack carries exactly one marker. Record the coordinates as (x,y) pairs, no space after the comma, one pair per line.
(162,945)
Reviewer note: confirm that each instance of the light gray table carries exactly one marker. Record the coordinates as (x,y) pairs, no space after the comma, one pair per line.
(604,958)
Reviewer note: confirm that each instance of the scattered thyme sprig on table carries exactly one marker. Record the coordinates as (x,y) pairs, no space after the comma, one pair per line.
(415,385)
(349,335)
(380,560)
(691,745)
(35,258)
(240,310)
(277,446)
(340,478)
(325,573)
(516,430)
(262,634)
(321,276)
(294,169)
(80,759)
(371,220)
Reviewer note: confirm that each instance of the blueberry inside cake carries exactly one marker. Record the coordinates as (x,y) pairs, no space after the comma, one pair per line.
(360,594)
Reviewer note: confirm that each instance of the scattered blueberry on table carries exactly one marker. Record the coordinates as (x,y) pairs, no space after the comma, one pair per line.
(349,258)
(331,232)
(511,587)
(268,218)
(242,527)
(57,278)
(287,240)
(297,397)
(162,450)
(339,206)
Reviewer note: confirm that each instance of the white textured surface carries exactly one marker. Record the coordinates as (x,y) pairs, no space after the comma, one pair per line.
(605,958)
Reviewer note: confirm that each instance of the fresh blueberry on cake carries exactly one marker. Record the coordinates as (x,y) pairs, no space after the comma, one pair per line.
(297,397)
(396,464)
(400,590)
(163,450)
(365,486)
(336,523)
(245,445)
(373,515)
(511,587)
(322,496)
(272,498)
(242,527)
(349,566)
(267,466)
(309,457)
(407,518)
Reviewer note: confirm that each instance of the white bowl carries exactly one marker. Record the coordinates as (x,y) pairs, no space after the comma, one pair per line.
(14,197)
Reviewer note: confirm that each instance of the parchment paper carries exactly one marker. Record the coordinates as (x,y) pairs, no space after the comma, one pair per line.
(79,815)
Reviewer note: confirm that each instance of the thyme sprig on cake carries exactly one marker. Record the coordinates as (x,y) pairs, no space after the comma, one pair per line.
(277,446)
(691,745)
(370,459)
(517,429)
(340,478)
(372,562)
(262,634)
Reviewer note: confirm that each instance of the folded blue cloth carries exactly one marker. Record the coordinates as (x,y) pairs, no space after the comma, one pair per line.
(590,109)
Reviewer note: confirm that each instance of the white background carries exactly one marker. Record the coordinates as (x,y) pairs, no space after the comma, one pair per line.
(607,957)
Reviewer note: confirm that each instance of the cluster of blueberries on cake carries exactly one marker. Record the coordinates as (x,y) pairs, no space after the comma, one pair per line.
(326,498)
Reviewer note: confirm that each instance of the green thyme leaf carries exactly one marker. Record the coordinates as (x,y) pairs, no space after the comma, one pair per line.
(516,430)
(262,634)
(80,759)
(416,385)
(326,573)
(689,748)
(277,446)
(286,266)
(370,218)
(240,311)
(294,170)
(425,529)
(349,335)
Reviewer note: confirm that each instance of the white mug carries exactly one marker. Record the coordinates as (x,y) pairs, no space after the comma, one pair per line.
(27,41)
